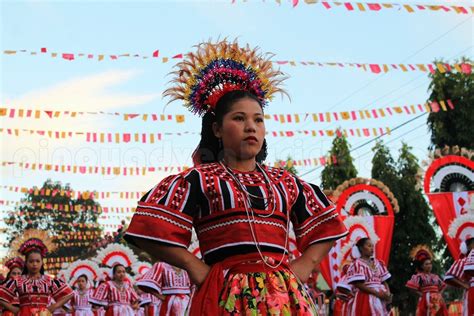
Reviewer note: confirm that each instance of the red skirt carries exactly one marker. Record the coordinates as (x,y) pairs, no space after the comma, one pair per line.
(33,311)
(432,304)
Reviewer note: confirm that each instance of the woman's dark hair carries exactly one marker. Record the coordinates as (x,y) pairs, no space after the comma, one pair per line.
(114,269)
(361,242)
(83,276)
(210,149)
(25,268)
(419,263)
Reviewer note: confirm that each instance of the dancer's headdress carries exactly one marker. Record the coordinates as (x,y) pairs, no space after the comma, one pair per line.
(462,229)
(141,267)
(32,240)
(421,253)
(82,267)
(115,254)
(358,228)
(15,262)
(215,69)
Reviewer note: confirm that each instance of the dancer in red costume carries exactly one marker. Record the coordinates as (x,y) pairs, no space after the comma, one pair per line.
(15,267)
(34,289)
(427,285)
(240,208)
(169,283)
(458,275)
(117,295)
(368,275)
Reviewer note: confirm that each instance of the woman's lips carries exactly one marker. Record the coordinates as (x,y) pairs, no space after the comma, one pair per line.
(251,139)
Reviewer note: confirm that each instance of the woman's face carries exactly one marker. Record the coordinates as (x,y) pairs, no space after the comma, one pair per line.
(81,283)
(34,262)
(243,129)
(367,249)
(15,272)
(119,274)
(427,266)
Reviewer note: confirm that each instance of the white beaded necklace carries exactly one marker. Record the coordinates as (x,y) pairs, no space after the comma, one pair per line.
(251,216)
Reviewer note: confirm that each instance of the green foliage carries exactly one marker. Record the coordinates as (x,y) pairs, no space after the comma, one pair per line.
(342,168)
(413,224)
(452,127)
(43,208)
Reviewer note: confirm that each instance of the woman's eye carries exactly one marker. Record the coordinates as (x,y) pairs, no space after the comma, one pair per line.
(238,118)
(259,120)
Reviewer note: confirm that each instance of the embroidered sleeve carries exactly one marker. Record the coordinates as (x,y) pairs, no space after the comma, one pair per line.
(60,289)
(152,279)
(133,296)
(100,295)
(165,214)
(456,270)
(414,283)
(355,273)
(384,274)
(314,217)
(8,291)
(469,265)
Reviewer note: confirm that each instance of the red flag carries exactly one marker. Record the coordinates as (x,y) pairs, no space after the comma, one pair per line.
(466,68)
(43,50)
(68,56)
(374,6)
(156,53)
(178,56)
(349,6)
(375,68)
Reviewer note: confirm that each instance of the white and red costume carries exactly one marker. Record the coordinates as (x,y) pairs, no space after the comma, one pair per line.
(80,303)
(171,282)
(117,300)
(364,303)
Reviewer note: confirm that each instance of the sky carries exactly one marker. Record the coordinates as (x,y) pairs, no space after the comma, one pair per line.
(135,85)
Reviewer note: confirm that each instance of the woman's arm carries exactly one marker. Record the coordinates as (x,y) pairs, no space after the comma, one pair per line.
(60,303)
(382,295)
(12,308)
(178,257)
(457,283)
(311,257)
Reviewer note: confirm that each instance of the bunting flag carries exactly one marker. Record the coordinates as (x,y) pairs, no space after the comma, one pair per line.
(60,114)
(151,138)
(69,207)
(133,171)
(368,67)
(349,115)
(86,195)
(375,7)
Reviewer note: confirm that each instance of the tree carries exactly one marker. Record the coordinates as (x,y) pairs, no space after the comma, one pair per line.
(414,225)
(287,164)
(452,127)
(72,223)
(342,168)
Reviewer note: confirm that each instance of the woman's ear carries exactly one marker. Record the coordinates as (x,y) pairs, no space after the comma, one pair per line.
(216,130)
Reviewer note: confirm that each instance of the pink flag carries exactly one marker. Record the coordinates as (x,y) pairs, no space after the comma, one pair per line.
(68,56)
(374,6)
(156,53)
(375,68)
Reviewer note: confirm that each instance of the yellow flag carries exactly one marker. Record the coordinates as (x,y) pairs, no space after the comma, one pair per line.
(443,105)
(441,68)
(180,118)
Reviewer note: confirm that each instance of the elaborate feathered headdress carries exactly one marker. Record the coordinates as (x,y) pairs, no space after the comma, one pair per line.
(358,228)
(32,239)
(141,267)
(15,262)
(462,228)
(421,253)
(115,254)
(82,267)
(215,69)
